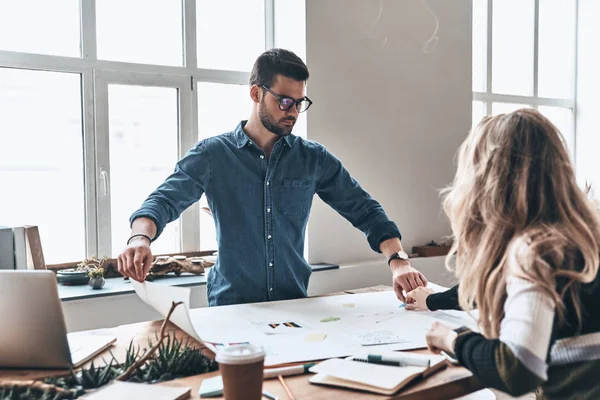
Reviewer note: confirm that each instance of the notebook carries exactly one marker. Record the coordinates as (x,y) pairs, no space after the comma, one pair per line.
(128,390)
(83,347)
(376,378)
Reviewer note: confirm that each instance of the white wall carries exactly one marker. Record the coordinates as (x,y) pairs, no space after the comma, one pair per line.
(587,142)
(392,113)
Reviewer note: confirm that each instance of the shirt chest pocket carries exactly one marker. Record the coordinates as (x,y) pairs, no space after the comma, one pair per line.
(293,197)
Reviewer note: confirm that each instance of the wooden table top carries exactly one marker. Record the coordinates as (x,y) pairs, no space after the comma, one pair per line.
(452,382)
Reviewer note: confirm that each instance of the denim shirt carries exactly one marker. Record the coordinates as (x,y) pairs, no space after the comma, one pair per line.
(261,206)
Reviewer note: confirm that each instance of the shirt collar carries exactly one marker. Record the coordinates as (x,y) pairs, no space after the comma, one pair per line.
(242,139)
(240,136)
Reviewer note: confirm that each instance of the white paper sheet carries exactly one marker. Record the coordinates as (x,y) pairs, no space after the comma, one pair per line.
(219,327)
(161,298)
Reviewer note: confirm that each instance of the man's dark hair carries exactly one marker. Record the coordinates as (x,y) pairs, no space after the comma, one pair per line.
(277,62)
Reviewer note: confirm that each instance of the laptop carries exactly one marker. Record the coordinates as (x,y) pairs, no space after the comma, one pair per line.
(33,333)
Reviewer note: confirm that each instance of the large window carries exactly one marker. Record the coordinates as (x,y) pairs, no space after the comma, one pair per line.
(100,98)
(524,55)
(41,163)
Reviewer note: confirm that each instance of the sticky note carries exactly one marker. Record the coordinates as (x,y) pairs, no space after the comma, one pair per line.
(315,337)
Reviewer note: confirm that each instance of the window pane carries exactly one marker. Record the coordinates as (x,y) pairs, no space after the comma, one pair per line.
(479,111)
(231,33)
(505,108)
(40,26)
(41,159)
(556,48)
(480,17)
(290,26)
(140,31)
(220,108)
(563,119)
(512,47)
(143,125)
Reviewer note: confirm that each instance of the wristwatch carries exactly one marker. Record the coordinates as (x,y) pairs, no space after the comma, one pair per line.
(455,334)
(401,255)
(463,330)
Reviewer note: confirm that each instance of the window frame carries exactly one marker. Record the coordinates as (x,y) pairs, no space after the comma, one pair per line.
(185,140)
(489,97)
(95,72)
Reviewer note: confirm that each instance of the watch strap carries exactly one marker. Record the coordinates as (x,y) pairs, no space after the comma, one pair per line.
(396,256)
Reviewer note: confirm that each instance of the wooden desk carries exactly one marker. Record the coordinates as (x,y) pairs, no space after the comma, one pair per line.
(449,383)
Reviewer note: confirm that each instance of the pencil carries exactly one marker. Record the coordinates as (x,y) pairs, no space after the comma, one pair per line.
(286,388)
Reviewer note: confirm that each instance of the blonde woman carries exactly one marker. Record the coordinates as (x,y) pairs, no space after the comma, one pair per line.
(526,253)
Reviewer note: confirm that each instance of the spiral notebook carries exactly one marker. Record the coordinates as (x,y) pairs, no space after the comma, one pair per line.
(375,378)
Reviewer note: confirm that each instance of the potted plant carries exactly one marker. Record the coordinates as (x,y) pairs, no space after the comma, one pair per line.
(79,275)
(96,278)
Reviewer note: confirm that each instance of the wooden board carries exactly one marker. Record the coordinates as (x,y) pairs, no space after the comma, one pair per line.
(35,254)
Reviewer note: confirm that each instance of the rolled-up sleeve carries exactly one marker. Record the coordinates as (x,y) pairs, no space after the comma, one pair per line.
(336,187)
(181,189)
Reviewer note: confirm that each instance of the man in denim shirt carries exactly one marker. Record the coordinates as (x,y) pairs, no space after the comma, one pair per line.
(259,181)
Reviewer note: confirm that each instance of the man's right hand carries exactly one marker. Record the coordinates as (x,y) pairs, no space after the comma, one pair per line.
(136,259)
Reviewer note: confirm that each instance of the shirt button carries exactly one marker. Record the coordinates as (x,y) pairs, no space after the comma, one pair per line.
(267,183)
(270,264)
(262,157)
(268,210)
(271,289)
(269,237)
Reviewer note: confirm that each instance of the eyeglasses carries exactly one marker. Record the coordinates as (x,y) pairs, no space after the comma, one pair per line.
(286,102)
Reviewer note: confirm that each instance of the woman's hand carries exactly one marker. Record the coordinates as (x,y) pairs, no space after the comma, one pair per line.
(440,338)
(417,299)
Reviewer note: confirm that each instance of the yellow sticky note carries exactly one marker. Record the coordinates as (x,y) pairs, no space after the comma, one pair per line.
(315,337)
(349,305)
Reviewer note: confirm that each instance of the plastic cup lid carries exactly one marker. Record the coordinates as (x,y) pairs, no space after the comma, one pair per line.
(240,354)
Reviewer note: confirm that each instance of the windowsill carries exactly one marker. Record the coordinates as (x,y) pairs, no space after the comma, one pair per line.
(119,286)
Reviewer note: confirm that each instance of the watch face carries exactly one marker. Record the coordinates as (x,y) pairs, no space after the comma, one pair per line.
(403,255)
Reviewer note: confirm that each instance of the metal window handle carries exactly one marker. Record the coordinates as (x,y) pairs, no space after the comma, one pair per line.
(105,182)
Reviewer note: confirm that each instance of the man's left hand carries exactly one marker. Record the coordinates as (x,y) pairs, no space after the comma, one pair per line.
(405,278)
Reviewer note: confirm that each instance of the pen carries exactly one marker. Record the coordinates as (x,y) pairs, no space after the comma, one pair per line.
(270,396)
(287,371)
(395,361)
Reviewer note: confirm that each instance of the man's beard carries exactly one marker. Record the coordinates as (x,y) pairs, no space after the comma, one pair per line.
(271,125)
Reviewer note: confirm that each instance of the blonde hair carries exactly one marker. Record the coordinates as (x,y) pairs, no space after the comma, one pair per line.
(515,195)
